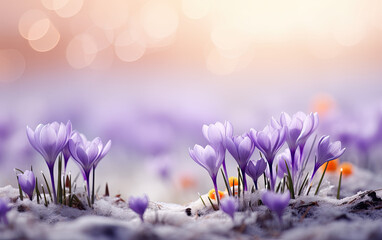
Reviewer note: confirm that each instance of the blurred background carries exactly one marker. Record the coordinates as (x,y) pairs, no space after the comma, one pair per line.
(148,74)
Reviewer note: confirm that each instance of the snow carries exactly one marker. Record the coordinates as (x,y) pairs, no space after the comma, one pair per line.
(358,216)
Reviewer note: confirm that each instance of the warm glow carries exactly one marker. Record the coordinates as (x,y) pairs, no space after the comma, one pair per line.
(33,24)
(81,51)
(128,47)
(159,19)
(109,14)
(12,65)
(48,41)
(54,4)
(71,8)
(196,9)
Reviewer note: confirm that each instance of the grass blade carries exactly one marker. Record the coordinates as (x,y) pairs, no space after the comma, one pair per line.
(212,204)
(303,183)
(322,177)
(202,200)
(59,179)
(47,186)
(290,182)
(226,183)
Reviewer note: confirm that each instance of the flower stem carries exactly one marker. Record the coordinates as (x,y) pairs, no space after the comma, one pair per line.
(244,179)
(216,190)
(271,177)
(51,168)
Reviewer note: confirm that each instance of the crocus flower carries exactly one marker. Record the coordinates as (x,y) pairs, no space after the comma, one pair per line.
(66,154)
(139,205)
(255,169)
(269,141)
(276,202)
(87,154)
(27,182)
(281,159)
(241,148)
(310,124)
(229,205)
(210,159)
(49,140)
(299,127)
(326,151)
(4,208)
(216,135)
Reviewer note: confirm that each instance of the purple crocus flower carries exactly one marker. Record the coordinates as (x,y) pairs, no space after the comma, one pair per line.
(4,208)
(241,148)
(210,159)
(269,141)
(66,154)
(87,154)
(229,205)
(139,205)
(27,182)
(276,202)
(299,128)
(255,169)
(216,135)
(281,159)
(310,124)
(326,151)
(49,140)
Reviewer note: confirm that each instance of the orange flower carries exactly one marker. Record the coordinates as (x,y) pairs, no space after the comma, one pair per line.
(332,166)
(211,194)
(347,168)
(233,180)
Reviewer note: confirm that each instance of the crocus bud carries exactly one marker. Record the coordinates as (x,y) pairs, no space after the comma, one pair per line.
(139,205)
(4,208)
(27,182)
(276,202)
(229,205)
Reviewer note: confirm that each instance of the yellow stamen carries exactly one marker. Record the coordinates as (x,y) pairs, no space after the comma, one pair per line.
(211,194)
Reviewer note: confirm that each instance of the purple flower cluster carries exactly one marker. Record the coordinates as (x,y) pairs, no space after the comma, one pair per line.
(294,130)
(55,138)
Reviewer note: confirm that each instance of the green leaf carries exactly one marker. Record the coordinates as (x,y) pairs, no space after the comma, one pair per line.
(322,177)
(213,207)
(303,183)
(339,185)
(202,200)
(47,186)
(226,183)
(290,181)
(59,185)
